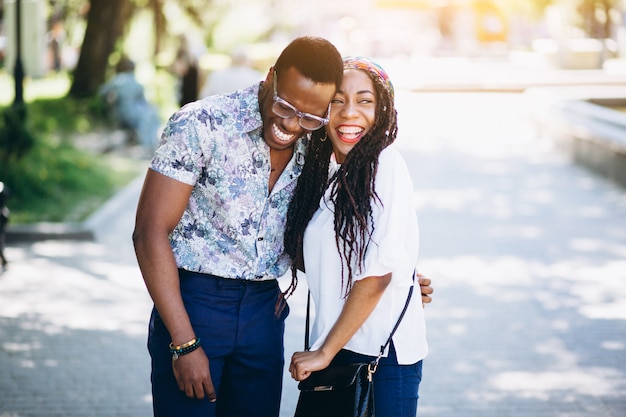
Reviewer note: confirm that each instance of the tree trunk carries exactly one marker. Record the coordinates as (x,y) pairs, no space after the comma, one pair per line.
(106,22)
(159,25)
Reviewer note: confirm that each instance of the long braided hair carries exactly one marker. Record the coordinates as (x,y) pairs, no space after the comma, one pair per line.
(353,185)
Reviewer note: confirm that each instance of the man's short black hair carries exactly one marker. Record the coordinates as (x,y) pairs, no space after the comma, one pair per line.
(314,57)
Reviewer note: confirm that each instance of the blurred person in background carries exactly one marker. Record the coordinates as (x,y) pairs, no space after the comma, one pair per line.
(186,70)
(239,74)
(55,39)
(124,96)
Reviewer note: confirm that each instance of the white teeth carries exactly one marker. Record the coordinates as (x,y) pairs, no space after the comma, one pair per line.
(350,130)
(350,133)
(280,135)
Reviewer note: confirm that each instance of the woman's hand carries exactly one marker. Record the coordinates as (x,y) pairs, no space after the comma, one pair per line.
(361,301)
(303,363)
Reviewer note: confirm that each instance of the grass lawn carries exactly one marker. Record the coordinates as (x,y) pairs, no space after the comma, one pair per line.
(56,181)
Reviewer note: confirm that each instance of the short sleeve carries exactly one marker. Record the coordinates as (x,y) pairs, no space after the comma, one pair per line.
(179,154)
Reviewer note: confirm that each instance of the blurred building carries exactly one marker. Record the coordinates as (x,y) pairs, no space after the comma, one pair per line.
(33,35)
(400,27)
(476,28)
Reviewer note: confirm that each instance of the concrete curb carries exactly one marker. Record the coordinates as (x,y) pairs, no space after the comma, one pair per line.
(86,230)
(99,221)
(21,233)
(592,136)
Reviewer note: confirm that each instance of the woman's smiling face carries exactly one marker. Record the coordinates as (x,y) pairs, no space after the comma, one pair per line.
(352,112)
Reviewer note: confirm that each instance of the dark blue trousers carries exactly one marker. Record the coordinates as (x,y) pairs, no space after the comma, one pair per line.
(395,386)
(243,339)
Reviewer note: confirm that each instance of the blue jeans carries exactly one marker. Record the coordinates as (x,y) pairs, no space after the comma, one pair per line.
(243,340)
(395,386)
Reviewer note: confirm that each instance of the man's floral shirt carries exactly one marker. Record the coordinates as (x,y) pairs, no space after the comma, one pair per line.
(231,227)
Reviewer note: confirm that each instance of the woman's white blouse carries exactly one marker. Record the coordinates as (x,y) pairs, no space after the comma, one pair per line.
(394,248)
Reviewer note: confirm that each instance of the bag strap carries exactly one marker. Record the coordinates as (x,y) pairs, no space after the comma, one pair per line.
(383,347)
(406,306)
(307,320)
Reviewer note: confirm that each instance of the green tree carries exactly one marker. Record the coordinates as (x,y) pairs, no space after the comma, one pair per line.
(107,22)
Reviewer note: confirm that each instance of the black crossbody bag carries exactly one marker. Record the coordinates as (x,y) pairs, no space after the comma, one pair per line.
(342,390)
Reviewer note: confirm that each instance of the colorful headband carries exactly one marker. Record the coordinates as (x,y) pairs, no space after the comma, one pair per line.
(366,64)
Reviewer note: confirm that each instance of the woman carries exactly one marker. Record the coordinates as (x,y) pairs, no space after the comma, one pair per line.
(353,227)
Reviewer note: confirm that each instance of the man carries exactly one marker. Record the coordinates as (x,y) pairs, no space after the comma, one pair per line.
(209,236)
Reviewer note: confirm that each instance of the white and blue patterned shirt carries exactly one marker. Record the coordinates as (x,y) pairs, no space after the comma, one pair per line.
(232,226)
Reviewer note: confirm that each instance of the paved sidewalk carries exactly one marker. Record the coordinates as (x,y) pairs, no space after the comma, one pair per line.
(527,252)
(73,323)
(528,255)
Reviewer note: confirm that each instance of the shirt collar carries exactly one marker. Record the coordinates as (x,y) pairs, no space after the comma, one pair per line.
(334,166)
(250,108)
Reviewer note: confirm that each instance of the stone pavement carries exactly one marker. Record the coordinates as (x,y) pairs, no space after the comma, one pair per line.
(527,252)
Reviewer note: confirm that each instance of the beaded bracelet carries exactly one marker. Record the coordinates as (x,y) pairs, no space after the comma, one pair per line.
(184,345)
(185,348)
